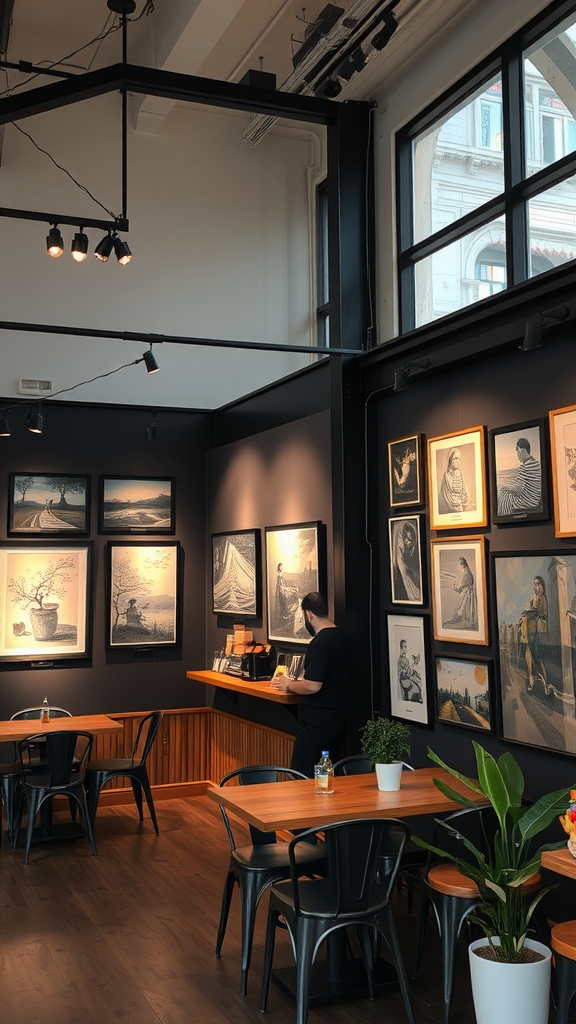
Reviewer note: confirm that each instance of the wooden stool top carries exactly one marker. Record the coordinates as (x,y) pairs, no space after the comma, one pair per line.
(563,939)
(446,878)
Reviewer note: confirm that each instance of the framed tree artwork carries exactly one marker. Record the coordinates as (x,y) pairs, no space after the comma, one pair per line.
(45,591)
(44,504)
(406,579)
(519,471)
(236,573)
(143,594)
(295,566)
(409,698)
(463,692)
(457,480)
(459,599)
(405,466)
(563,451)
(136,504)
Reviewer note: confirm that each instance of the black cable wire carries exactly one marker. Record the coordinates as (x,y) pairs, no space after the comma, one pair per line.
(99,376)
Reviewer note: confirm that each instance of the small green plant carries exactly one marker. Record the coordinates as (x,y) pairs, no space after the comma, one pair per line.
(510,858)
(385,741)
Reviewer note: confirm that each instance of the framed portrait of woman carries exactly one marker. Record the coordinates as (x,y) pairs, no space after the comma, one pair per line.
(406,580)
(405,471)
(457,479)
(459,598)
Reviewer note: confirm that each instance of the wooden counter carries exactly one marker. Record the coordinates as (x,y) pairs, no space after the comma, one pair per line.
(237,685)
(560,861)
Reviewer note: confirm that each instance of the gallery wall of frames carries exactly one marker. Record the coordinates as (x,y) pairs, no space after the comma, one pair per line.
(478,478)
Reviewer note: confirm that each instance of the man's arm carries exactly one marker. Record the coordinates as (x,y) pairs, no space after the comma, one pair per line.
(301,686)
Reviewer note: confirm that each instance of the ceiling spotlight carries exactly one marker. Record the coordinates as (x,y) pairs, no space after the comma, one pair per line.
(79,248)
(122,6)
(150,430)
(353,63)
(54,243)
(123,254)
(383,37)
(401,377)
(35,421)
(104,248)
(329,89)
(149,359)
(4,428)
(532,334)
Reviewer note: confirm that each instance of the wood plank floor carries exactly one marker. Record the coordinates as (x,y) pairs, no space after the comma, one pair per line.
(129,935)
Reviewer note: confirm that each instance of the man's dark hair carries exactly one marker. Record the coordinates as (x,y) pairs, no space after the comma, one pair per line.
(315,603)
(523,442)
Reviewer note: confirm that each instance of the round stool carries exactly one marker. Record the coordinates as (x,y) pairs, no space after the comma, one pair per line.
(563,942)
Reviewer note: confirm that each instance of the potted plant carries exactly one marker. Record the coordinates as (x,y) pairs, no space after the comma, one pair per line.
(386,742)
(518,968)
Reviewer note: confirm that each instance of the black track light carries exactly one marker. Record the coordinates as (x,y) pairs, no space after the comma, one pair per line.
(79,248)
(150,430)
(149,359)
(383,37)
(123,254)
(353,63)
(104,248)
(401,377)
(54,243)
(532,334)
(35,422)
(122,6)
(4,428)
(330,89)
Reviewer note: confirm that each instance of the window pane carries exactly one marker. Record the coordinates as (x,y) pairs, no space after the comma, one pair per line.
(458,164)
(550,97)
(464,272)
(552,227)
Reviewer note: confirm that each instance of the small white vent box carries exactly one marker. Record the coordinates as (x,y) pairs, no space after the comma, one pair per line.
(33,386)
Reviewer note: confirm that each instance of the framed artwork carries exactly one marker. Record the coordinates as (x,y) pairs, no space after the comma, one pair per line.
(136,504)
(408,678)
(48,504)
(295,565)
(459,599)
(536,615)
(463,692)
(45,609)
(405,471)
(519,471)
(456,478)
(143,594)
(563,449)
(406,579)
(236,573)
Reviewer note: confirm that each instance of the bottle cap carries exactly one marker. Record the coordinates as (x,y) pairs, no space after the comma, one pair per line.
(325,753)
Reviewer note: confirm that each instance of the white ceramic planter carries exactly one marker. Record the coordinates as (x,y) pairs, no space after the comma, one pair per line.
(389,775)
(511,993)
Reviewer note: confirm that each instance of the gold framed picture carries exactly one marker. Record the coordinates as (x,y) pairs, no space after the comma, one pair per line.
(563,450)
(459,598)
(457,479)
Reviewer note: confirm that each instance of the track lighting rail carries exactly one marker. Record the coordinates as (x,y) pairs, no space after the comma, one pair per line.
(120,224)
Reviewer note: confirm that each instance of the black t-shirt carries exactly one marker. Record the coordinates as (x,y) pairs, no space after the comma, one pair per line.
(329,661)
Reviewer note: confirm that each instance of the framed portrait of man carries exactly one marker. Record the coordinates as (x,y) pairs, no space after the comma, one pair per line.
(409,698)
(459,599)
(406,580)
(457,480)
(519,469)
(563,451)
(405,466)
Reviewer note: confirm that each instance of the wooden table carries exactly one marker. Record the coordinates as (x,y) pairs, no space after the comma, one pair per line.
(560,861)
(21,728)
(238,685)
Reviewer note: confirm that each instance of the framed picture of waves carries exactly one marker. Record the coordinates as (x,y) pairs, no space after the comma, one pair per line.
(237,573)
(457,480)
(519,472)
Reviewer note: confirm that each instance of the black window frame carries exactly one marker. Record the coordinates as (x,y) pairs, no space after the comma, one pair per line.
(322,274)
(512,203)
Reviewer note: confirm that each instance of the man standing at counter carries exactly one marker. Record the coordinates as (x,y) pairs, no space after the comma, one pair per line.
(324,689)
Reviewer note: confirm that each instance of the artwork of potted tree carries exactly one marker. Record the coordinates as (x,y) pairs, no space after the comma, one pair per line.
(386,742)
(32,589)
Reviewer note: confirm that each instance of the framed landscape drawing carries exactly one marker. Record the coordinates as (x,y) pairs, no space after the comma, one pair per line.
(536,615)
(295,565)
(457,480)
(136,504)
(463,692)
(405,471)
(407,658)
(48,504)
(143,594)
(45,609)
(563,449)
(236,573)
(519,472)
(459,599)
(406,580)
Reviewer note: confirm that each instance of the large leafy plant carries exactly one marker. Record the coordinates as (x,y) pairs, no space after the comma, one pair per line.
(511,857)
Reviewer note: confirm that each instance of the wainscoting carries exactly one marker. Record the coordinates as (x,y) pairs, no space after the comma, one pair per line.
(194,747)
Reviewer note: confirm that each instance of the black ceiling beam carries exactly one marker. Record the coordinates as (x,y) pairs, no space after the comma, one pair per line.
(150,82)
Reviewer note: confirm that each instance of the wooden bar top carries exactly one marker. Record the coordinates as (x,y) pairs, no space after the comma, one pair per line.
(20,728)
(560,861)
(254,689)
(274,806)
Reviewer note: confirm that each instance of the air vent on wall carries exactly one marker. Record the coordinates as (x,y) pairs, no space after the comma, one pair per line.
(33,386)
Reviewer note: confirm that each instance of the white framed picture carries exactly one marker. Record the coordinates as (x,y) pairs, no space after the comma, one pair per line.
(408,675)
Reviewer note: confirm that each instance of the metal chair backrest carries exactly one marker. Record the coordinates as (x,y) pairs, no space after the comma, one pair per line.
(355,764)
(476,824)
(63,753)
(54,712)
(145,737)
(253,775)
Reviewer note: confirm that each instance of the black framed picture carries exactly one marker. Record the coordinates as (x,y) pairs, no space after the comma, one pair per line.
(136,504)
(406,578)
(519,472)
(463,692)
(405,465)
(409,694)
(237,573)
(45,600)
(48,504)
(295,566)
(144,593)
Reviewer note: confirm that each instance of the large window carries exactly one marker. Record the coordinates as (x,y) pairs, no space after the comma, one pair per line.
(487,176)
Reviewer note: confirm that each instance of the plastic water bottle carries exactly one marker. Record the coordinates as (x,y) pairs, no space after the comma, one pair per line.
(324,774)
(45,712)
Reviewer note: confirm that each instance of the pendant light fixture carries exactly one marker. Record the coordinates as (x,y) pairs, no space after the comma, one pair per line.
(104,248)
(4,428)
(122,251)
(35,421)
(150,361)
(79,249)
(54,243)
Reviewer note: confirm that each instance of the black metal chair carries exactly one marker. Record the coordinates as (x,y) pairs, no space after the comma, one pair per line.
(349,896)
(254,868)
(65,756)
(133,768)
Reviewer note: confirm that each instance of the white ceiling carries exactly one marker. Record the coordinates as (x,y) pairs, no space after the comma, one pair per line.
(220,39)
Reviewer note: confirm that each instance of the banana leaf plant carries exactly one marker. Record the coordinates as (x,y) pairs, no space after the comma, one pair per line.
(511,857)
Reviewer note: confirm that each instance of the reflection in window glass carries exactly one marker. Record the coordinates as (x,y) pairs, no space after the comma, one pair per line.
(463,272)
(552,227)
(550,97)
(458,164)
